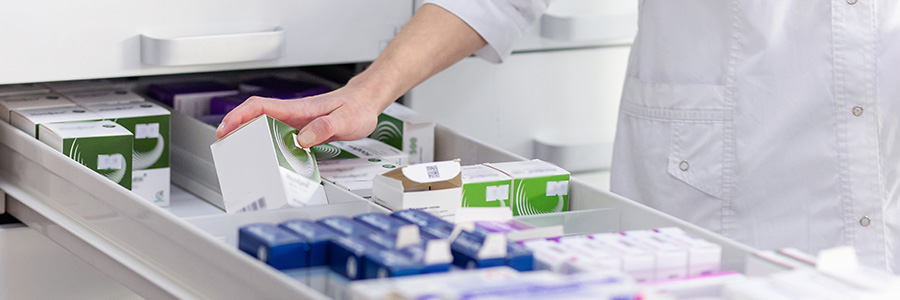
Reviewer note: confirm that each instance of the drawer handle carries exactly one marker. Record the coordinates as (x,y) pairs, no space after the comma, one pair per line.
(590,20)
(212,49)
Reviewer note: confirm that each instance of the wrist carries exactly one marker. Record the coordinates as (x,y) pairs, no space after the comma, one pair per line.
(373,91)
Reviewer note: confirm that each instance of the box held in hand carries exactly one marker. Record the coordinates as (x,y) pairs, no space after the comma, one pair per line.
(261,166)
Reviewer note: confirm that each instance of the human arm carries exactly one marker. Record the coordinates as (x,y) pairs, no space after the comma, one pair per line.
(433,40)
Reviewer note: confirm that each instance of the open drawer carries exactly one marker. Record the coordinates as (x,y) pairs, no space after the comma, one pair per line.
(176,253)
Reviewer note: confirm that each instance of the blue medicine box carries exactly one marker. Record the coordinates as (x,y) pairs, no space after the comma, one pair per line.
(275,246)
(316,235)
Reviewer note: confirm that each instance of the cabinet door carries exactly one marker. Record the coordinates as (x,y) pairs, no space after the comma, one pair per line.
(64,40)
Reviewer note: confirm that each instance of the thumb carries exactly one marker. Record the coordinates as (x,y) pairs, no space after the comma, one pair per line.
(316,132)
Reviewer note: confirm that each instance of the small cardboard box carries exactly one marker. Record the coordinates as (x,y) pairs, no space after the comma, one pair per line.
(261,166)
(150,125)
(484,186)
(356,178)
(538,187)
(190,98)
(28,120)
(432,187)
(102,146)
(22,89)
(10,103)
(359,151)
(102,96)
(407,130)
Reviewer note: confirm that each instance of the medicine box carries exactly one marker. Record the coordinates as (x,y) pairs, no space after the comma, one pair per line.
(407,130)
(538,187)
(274,245)
(101,96)
(316,235)
(102,146)
(299,88)
(261,166)
(150,125)
(23,88)
(10,103)
(28,120)
(356,178)
(484,186)
(359,151)
(435,188)
(190,98)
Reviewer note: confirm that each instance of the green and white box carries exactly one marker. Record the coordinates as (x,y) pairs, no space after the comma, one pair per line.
(102,96)
(23,88)
(150,125)
(538,187)
(356,178)
(10,103)
(102,146)
(484,186)
(358,151)
(261,166)
(28,120)
(407,130)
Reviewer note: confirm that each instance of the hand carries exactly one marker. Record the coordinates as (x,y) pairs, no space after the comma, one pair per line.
(343,114)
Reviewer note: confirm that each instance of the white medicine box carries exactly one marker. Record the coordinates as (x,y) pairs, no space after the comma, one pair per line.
(432,187)
(261,166)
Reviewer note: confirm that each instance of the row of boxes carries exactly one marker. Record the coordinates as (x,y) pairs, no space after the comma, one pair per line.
(107,128)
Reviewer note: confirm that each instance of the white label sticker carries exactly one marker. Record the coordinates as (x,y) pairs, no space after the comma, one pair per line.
(556,188)
(146,131)
(109,162)
(296,142)
(497,193)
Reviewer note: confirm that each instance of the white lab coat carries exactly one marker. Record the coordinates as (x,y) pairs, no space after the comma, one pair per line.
(775,123)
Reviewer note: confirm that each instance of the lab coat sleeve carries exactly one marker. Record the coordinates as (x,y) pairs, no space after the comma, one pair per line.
(500,22)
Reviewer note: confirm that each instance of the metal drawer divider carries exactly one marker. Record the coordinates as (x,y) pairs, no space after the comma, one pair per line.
(144,247)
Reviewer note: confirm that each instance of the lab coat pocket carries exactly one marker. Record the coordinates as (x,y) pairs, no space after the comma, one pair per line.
(698,124)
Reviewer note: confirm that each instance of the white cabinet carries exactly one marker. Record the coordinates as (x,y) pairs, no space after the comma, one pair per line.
(47,40)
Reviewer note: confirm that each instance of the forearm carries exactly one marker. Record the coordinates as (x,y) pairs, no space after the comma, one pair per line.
(433,40)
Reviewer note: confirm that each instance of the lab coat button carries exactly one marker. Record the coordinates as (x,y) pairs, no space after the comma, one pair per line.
(851,2)
(857,110)
(684,166)
(865,221)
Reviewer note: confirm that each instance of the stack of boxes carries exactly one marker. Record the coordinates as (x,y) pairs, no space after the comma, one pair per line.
(89,122)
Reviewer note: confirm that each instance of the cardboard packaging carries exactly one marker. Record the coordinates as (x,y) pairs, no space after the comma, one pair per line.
(274,245)
(222,105)
(432,187)
(356,178)
(407,130)
(261,166)
(149,122)
(102,146)
(484,186)
(538,187)
(28,120)
(102,96)
(358,152)
(10,103)
(316,235)
(190,98)
(22,89)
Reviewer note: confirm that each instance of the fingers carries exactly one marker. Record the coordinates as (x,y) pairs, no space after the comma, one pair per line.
(251,108)
(318,131)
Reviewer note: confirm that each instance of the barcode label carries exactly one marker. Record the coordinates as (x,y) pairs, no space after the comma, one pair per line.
(496,193)
(146,131)
(109,162)
(433,172)
(556,188)
(256,205)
